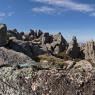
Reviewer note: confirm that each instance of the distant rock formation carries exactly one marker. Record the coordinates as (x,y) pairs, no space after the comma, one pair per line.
(89,50)
(56,44)
(73,49)
(3,34)
(59,44)
(14,33)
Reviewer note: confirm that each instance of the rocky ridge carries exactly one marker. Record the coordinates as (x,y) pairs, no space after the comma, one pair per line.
(38,63)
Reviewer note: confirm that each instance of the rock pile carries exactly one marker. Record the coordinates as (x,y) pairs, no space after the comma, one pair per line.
(49,75)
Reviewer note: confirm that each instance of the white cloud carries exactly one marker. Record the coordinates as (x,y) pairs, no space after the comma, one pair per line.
(44,9)
(5,14)
(69,4)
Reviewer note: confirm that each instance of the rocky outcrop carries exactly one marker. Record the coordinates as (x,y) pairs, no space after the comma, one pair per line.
(26,47)
(30,36)
(59,44)
(78,80)
(46,38)
(10,58)
(73,49)
(14,33)
(20,75)
(89,50)
(3,34)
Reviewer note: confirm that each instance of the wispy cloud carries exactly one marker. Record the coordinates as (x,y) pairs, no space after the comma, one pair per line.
(5,14)
(44,9)
(69,5)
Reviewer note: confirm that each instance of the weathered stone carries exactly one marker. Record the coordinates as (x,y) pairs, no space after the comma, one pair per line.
(59,44)
(14,33)
(89,50)
(26,47)
(3,34)
(21,46)
(84,65)
(10,57)
(46,38)
(37,50)
(73,49)
(59,38)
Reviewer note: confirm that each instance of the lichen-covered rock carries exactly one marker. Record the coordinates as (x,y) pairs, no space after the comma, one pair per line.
(13,58)
(3,34)
(16,82)
(78,80)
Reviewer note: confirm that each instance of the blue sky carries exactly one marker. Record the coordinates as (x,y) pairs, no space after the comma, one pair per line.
(70,17)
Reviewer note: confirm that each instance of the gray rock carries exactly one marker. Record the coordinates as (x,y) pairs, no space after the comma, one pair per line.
(26,47)
(57,50)
(59,44)
(3,34)
(37,50)
(17,82)
(84,65)
(39,33)
(89,50)
(73,49)
(14,33)
(21,46)
(46,38)
(11,58)
(78,80)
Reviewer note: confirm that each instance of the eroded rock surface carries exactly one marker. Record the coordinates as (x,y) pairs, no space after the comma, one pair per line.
(78,80)
(89,50)
(13,58)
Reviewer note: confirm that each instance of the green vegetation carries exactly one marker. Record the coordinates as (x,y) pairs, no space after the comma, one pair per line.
(51,60)
(63,55)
